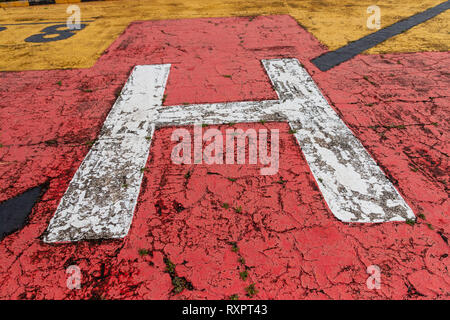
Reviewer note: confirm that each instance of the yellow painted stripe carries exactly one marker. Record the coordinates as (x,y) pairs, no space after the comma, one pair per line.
(333,22)
(12,4)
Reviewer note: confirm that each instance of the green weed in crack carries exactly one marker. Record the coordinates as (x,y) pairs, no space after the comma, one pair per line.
(243,275)
(143,252)
(89,143)
(179,283)
(251,290)
(422,216)
(234,246)
(170,266)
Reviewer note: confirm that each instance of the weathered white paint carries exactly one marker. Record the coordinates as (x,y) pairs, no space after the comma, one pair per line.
(353,185)
(102,195)
(96,205)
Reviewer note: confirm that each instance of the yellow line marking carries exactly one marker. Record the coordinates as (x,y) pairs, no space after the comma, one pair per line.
(14,4)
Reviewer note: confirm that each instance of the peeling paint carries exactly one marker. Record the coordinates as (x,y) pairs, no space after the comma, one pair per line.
(292,244)
(98,206)
(101,197)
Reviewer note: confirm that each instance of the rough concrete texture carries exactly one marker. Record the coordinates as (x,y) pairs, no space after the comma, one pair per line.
(278,228)
(334,23)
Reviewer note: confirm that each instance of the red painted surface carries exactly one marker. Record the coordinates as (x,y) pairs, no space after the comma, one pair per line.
(292,246)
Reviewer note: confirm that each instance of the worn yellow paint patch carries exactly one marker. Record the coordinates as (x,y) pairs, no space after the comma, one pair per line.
(14,4)
(336,23)
(432,35)
(333,22)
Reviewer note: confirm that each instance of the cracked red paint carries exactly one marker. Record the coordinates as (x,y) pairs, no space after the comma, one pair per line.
(290,244)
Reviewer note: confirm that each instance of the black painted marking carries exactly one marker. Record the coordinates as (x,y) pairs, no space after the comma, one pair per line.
(2,28)
(37,2)
(331,59)
(53,30)
(14,212)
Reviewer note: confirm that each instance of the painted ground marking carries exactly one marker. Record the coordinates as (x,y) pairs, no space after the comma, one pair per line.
(14,212)
(101,197)
(333,58)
